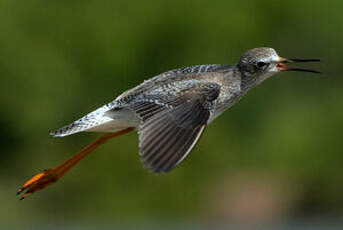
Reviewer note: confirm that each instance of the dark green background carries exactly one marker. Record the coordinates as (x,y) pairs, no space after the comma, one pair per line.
(283,142)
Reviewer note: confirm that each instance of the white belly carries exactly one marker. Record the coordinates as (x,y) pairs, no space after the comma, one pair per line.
(120,120)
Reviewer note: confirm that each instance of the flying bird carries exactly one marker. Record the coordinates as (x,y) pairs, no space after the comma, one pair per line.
(170,111)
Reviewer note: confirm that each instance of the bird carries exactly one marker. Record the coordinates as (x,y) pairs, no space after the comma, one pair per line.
(169,111)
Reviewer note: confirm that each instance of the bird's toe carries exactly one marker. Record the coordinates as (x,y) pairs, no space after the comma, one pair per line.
(38,182)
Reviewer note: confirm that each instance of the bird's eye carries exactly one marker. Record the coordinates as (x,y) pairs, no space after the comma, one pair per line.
(261,64)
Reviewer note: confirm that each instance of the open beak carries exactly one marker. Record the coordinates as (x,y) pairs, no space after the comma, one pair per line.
(282,67)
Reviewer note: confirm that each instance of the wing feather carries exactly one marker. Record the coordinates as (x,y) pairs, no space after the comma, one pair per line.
(171,126)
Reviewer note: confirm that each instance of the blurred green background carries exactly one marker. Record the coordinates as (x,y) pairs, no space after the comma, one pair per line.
(275,157)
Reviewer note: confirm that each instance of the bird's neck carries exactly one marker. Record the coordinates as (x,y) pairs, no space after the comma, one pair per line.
(248,82)
(251,81)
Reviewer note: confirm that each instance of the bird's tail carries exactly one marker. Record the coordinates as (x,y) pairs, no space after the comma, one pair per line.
(90,121)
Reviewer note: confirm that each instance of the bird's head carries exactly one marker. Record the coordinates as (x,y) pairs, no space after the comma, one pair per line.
(261,63)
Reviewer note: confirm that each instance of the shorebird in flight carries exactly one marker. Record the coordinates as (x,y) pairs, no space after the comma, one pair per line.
(170,111)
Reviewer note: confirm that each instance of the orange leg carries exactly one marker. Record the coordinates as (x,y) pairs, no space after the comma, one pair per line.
(50,176)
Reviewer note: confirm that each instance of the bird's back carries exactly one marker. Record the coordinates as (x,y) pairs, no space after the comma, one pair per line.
(197,72)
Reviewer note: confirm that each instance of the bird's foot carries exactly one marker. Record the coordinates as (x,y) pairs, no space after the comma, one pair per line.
(38,182)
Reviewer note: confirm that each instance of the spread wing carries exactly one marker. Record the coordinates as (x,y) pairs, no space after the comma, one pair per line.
(173,117)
